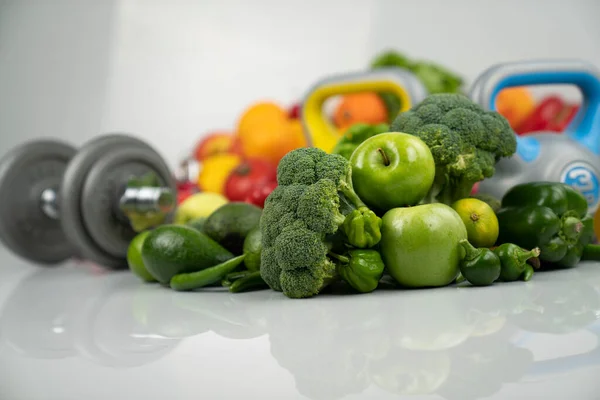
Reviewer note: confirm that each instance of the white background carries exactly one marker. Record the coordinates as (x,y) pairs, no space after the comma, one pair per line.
(172,71)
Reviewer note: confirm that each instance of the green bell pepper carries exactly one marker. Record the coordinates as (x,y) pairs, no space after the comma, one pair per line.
(480,266)
(551,216)
(355,135)
(361,269)
(362,228)
(513,262)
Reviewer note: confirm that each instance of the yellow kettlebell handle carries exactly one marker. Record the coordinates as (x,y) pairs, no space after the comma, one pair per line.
(320,132)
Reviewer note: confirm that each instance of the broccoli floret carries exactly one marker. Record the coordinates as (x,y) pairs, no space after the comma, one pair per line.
(465,140)
(299,247)
(313,203)
(319,207)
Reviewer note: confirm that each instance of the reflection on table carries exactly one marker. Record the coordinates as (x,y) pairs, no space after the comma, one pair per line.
(457,342)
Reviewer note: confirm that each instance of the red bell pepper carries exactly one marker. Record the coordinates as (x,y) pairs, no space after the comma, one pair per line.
(563,118)
(541,116)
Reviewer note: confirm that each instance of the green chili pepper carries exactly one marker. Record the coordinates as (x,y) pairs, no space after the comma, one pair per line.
(480,266)
(361,269)
(232,277)
(205,277)
(550,216)
(513,261)
(251,281)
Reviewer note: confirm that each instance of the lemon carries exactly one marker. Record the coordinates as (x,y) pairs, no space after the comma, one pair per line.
(198,205)
(480,220)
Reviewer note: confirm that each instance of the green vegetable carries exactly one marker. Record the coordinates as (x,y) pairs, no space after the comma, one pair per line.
(480,266)
(170,249)
(549,215)
(230,224)
(302,218)
(252,249)
(205,277)
(436,78)
(393,104)
(513,260)
(355,135)
(465,140)
(591,252)
(361,228)
(234,276)
(361,269)
(250,281)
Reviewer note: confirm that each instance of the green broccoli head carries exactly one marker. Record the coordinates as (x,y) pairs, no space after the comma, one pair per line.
(465,140)
(301,216)
(319,207)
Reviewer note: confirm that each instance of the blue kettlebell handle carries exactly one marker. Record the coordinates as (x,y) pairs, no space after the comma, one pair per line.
(585,127)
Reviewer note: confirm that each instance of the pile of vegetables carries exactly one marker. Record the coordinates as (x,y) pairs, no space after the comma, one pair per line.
(389,204)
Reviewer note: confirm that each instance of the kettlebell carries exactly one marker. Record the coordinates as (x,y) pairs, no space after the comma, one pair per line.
(320,132)
(572,157)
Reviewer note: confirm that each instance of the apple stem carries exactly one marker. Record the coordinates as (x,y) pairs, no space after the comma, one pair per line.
(386,160)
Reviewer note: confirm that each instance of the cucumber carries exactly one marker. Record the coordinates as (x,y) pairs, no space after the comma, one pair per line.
(231,223)
(172,249)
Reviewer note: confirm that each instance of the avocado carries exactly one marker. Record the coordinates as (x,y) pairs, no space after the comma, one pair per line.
(175,249)
(252,249)
(230,224)
(197,223)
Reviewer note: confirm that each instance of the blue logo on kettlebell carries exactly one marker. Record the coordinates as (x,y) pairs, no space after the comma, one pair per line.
(583,178)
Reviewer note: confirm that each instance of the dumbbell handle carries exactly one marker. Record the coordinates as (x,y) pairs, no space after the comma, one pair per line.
(141,199)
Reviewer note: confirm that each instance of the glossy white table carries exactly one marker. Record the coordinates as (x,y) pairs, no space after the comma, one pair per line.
(76,332)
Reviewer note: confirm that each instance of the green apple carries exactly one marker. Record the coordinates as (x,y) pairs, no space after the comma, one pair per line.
(420,245)
(391,170)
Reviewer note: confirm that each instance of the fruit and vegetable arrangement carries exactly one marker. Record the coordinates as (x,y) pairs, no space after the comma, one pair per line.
(392,203)
(240,162)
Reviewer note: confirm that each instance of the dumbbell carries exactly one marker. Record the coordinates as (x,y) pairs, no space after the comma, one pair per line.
(57,203)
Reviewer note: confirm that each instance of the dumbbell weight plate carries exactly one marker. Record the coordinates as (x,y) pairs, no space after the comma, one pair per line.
(71,195)
(103,187)
(25,173)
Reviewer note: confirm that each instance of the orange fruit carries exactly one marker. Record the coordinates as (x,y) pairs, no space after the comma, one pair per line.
(271,139)
(515,104)
(364,107)
(260,113)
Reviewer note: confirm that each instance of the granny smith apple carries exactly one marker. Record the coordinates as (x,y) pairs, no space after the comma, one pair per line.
(392,169)
(420,245)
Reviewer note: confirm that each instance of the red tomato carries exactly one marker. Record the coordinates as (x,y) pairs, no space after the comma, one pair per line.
(248,175)
(260,193)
